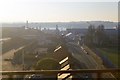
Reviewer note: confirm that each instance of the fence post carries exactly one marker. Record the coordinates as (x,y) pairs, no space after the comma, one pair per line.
(98,75)
(10,77)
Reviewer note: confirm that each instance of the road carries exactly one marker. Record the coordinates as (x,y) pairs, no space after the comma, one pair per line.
(81,56)
(6,65)
(4,39)
(79,53)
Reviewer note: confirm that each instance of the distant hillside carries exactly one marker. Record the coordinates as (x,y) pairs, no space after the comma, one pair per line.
(81,24)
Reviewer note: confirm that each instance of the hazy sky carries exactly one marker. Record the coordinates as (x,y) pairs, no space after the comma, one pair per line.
(57,11)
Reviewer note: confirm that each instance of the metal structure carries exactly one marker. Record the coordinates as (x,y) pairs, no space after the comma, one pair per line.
(55,72)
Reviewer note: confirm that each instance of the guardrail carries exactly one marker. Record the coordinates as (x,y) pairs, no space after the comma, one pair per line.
(55,72)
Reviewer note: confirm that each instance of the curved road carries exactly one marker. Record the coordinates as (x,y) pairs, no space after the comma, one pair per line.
(79,53)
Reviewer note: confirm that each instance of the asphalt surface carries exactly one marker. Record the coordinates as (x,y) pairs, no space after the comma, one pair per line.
(79,54)
(6,65)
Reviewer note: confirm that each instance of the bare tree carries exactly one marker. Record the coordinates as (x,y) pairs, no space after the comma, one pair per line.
(89,39)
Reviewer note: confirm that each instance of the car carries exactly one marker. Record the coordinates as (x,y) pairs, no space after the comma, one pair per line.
(87,53)
(8,59)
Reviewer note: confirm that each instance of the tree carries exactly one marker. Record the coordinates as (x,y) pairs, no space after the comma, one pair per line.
(47,64)
(100,35)
(102,39)
(89,38)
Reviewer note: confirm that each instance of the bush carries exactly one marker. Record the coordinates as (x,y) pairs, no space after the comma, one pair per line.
(47,64)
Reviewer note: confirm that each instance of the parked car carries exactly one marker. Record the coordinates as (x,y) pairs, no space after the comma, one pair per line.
(8,59)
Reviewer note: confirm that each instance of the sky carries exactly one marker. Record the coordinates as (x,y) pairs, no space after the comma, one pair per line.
(58,11)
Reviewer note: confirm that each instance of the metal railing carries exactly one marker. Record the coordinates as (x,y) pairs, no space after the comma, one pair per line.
(55,72)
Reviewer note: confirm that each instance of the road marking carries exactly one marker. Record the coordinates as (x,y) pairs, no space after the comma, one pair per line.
(57,49)
(63,60)
(67,67)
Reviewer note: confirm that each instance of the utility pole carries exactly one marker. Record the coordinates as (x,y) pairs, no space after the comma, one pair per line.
(27,24)
(23,59)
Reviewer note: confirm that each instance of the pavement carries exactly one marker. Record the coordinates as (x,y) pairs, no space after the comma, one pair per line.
(79,53)
(6,65)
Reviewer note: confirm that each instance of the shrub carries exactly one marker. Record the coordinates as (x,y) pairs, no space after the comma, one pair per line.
(47,64)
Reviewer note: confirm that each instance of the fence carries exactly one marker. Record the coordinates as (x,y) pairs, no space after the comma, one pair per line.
(55,72)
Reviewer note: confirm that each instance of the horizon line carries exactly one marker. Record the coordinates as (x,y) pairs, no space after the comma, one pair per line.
(59,21)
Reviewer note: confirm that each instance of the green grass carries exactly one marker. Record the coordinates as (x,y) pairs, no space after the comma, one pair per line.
(111,53)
